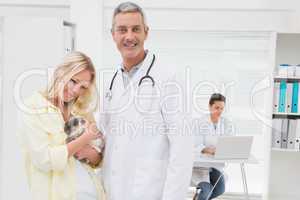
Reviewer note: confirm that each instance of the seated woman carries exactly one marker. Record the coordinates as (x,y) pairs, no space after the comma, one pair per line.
(52,171)
(210,180)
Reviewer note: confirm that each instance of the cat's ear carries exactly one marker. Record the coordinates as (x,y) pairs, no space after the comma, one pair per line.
(75,122)
(82,121)
(67,129)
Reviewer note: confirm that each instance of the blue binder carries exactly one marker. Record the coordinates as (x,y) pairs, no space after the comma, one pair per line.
(295,97)
(282,96)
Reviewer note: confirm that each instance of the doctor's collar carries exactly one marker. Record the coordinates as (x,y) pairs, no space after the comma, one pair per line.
(135,67)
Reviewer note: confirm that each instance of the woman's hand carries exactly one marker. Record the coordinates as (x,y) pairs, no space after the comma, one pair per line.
(91,132)
(211,150)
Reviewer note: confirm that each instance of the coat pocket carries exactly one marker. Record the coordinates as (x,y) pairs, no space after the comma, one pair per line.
(149,179)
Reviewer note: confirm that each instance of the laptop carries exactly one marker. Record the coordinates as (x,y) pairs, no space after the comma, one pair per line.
(233,147)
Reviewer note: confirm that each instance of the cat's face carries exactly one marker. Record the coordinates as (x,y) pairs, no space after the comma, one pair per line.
(75,127)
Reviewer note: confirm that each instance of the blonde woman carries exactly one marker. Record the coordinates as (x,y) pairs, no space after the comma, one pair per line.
(52,171)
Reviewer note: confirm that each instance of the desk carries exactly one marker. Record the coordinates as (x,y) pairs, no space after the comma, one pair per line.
(207,161)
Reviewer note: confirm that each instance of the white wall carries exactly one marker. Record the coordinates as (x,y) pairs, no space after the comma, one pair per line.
(34,10)
(35,2)
(1,89)
(213,4)
(89,28)
(257,15)
(234,35)
(32,39)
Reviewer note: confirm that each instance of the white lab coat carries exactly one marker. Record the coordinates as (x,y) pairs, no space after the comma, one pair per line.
(205,128)
(205,133)
(147,156)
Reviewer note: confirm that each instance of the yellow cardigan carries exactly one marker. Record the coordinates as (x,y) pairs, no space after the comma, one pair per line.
(50,173)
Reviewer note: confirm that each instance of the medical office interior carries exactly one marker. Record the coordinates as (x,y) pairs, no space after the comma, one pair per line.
(233,47)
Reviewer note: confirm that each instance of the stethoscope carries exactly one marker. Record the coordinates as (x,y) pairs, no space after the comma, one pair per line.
(146,76)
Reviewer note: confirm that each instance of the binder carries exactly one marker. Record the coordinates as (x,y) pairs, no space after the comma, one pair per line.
(276,97)
(298,102)
(289,95)
(297,135)
(276,133)
(292,134)
(284,133)
(291,71)
(295,97)
(282,96)
(283,70)
(297,71)
(287,70)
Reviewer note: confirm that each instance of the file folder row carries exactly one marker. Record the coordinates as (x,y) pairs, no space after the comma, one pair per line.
(286,133)
(286,97)
(289,71)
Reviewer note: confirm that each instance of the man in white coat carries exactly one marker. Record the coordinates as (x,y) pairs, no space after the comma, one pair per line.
(148,153)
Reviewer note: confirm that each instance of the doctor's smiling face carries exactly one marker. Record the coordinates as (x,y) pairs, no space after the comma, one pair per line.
(129,32)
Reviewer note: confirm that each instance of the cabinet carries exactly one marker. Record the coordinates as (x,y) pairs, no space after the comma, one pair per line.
(284,162)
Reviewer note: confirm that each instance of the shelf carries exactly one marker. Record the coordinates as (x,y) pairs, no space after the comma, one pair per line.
(283,165)
(287,115)
(285,150)
(289,80)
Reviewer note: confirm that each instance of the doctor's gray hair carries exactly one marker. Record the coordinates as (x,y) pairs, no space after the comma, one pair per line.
(129,7)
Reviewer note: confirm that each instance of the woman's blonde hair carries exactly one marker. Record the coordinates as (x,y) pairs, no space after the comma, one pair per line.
(72,64)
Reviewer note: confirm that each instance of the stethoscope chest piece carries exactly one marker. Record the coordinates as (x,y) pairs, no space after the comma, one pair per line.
(108,95)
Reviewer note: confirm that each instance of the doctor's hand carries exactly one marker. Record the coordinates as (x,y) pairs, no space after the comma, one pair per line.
(209,150)
(89,153)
